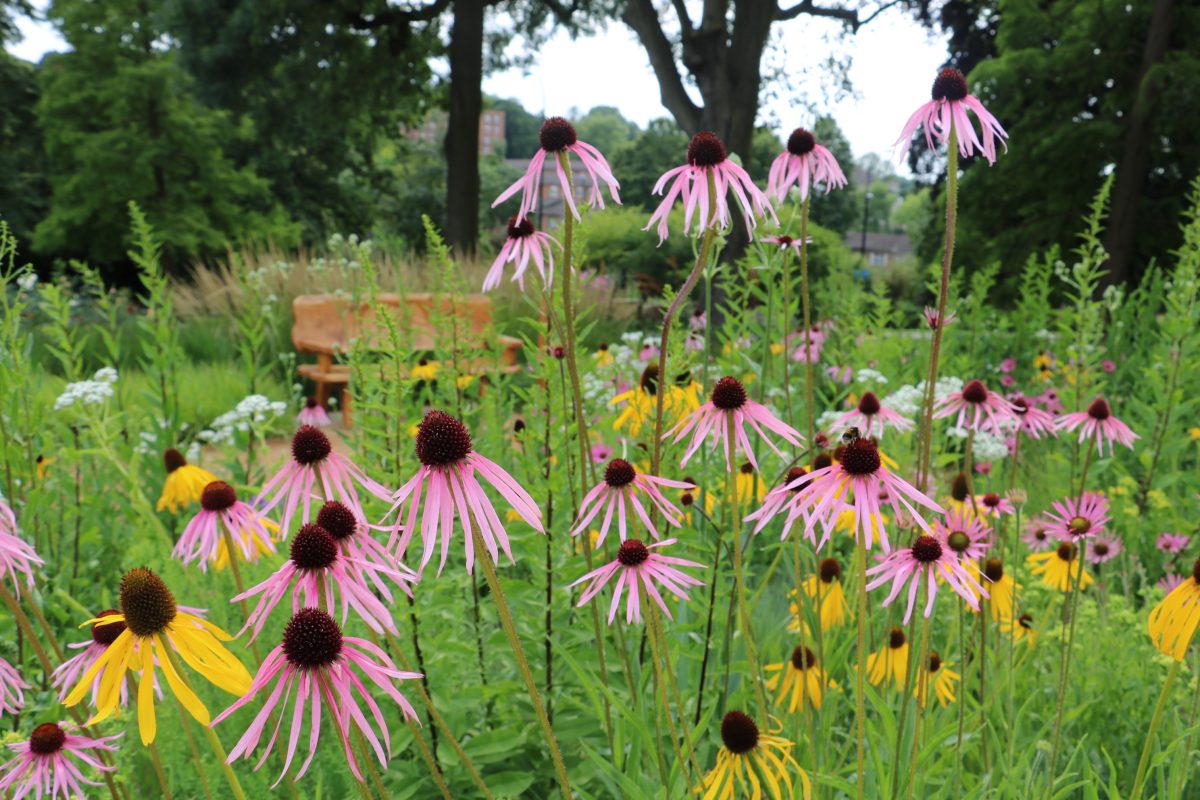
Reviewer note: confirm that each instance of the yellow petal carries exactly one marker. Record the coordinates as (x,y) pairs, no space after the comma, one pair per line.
(147,724)
(182,691)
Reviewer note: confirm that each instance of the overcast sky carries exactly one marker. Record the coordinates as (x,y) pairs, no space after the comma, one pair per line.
(893,63)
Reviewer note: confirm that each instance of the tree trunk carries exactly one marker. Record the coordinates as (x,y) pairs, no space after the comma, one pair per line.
(462,131)
(1135,156)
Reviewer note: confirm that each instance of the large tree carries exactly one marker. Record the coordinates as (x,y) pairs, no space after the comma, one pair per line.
(720,53)
(121,122)
(1093,97)
(325,82)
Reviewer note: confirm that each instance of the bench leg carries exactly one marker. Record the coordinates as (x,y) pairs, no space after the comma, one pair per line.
(323,393)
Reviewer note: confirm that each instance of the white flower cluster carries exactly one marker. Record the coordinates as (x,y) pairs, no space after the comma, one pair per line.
(88,393)
(27,281)
(868,375)
(988,446)
(907,399)
(148,440)
(254,411)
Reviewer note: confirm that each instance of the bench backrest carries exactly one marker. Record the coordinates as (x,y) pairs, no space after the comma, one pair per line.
(323,323)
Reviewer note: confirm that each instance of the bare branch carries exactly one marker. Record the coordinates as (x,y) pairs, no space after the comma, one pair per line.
(390,16)
(850,16)
(641,16)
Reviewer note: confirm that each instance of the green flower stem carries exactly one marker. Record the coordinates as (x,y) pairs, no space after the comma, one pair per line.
(659,629)
(660,689)
(514,641)
(743,613)
(440,721)
(1144,762)
(213,742)
(804,301)
(158,771)
(706,242)
(905,695)
(186,727)
(570,344)
(1073,584)
(922,689)
(926,445)
(860,684)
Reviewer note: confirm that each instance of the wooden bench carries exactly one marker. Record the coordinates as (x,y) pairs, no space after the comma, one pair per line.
(325,326)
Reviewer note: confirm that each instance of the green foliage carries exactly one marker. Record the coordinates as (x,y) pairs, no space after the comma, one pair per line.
(122,123)
(662,146)
(1066,102)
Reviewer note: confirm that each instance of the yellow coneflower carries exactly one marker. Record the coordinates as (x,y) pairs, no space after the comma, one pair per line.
(156,631)
(1001,590)
(1021,630)
(890,661)
(1173,622)
(261,546)
(425,370)
(940,681)
(799,680)
(43,466)
(1055,568)
(185,482)
(640,407)
(748,488)
(752,763)
(847,522)
(603,357)
(464,381)
(1194,433)
(835,611)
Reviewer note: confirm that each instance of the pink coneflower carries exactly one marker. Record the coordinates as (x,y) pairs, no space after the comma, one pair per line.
(16,556)
(983,467)
(784,242)
(522,245)
(558,136)
(947,112)
(601,453)
(698,321)
(786,496)
(320,574)
(622,486)
(925,559)
(871,415)
(933,321)
(1008,364)
(1031,421)
(978,408)
(1099,423)
(1108,366)
(636,564)
(804,163)
(993,505)
(447,478)
(67,674)
(809,352)
(706,157)
(313,414)
(963,533)
(1049,401)
(861,471)
(836,373)
(1007,381)
(221,512)
(1170,582)
(314,464)
(45,764)
(1074,518)
(1037,536)
(1172,543)
(728,404)
(323,670)
(12,689)
(1104,548)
